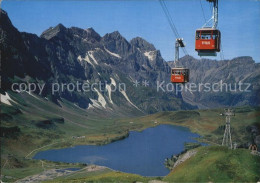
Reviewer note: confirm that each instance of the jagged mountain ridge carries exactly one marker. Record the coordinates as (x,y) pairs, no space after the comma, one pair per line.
(65,55)
(73,54)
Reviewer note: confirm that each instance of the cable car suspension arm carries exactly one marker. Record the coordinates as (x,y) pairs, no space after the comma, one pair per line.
(178,43)
(214,17)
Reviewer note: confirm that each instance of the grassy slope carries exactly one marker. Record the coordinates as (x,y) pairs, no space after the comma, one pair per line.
(218,164)
(98,128)
(100,177)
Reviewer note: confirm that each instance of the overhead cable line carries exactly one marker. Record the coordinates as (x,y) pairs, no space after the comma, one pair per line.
(203,12)
(172,25)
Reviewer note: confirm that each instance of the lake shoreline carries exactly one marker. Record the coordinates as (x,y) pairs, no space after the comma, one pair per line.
(119,137)
(146,147)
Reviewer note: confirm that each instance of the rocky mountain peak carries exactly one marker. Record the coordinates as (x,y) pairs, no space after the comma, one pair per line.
(113,35)
(142,44)
(116,43)
(90,30)
(54,31)
(4,17)
(91,33)
(187,57)
(5,22)
(243,60)
(60,27)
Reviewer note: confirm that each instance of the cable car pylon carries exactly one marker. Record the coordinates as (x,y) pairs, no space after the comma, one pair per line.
(227,141)
(207,40)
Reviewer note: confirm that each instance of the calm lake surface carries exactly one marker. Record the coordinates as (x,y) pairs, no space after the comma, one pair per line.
(141,153)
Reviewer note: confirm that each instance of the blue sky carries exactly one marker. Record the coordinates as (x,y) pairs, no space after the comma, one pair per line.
(238,21)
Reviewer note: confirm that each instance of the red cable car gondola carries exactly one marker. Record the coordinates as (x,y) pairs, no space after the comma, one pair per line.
(179,75)
(207,41)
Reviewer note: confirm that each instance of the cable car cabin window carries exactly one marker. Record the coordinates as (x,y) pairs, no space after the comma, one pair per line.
(215,35)
(198,35)
(206,35)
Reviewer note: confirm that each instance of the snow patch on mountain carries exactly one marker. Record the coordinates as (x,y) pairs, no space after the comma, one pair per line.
(94,104)
(113,82)
(108,88)
(32,95)
(126,97)
(113,54)
(90,53)
(101,99)
(79,58)
(85,59)
(150,55)
(6,99)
